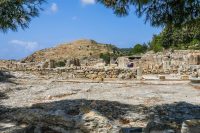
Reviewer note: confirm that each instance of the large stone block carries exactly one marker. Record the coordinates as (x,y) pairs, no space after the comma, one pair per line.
(161,77)
(195,80)
(191,126)
(184,77)
(139,73)
(131,130)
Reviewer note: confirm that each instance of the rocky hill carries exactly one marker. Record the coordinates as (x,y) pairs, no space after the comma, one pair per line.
(81,49)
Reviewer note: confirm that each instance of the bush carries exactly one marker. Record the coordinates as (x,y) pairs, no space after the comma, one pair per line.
(156,44)
(60,64)
(138,49)
(105,57)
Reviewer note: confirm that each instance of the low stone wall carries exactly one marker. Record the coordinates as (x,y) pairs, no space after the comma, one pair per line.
(89,73)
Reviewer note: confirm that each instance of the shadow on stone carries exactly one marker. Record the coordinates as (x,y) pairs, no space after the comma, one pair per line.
(3,96)
(81,115)
(5,76)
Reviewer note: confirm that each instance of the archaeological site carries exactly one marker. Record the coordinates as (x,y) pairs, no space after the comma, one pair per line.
(99,66)
(53,92)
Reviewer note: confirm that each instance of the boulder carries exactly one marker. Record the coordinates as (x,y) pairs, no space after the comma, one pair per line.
(94,122)
(191,126)
(158,127)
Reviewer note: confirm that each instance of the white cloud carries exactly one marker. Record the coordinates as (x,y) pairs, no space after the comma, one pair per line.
(28,45)
(88,2)
(54,7)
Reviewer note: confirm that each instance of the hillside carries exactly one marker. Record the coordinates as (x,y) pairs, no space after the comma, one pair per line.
(81,49)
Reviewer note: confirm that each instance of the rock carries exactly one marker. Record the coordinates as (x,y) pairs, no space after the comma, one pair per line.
(194,75)
(161,77)
(93,76)
(94,122)
(139,73)
(131,130)
(195,80)
(99,79)
(158,127)
(185,77)
(121,76)
(191,126)
(35,116)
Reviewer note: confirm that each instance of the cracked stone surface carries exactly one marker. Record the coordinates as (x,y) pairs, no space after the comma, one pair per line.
(29,103)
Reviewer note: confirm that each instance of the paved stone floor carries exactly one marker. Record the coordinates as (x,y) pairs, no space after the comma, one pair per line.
(123,103)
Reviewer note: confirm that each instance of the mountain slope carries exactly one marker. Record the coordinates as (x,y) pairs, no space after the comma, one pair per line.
(81,49)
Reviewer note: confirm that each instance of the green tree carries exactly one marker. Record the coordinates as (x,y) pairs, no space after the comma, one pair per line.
(60,63)
(18,13)
(158,12)
(106,57)
(138,49)
(156,44)
(183,37)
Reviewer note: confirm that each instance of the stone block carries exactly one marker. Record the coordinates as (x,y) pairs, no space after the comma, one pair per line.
(131,130)
(191,126)
(195,80)
(161,77)
(184,77)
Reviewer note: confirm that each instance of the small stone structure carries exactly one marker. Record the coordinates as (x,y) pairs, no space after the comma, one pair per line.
(51,64)
(139,73)
(182,62)
(128,61)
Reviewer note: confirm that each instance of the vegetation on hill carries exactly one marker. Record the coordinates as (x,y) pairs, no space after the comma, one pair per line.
(117,52)
(80,49)
(175,38)
(138,49)
(184,37)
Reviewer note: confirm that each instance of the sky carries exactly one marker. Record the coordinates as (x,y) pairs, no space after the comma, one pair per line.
(64,21)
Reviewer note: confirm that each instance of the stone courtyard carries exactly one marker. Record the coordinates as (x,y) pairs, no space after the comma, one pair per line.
(32,103)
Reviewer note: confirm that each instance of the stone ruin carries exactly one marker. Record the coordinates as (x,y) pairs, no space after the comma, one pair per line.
(185,63)
(128,61)
(182,62)
(72,62)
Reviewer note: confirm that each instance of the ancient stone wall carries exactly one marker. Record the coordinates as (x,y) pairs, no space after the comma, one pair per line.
(178,62)
(88,73)
(182,62)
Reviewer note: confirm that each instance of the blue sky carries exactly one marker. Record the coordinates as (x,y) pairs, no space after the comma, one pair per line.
(68,20)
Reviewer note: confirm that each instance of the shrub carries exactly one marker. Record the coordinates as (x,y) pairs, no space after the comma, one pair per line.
(60,64)
(105,57)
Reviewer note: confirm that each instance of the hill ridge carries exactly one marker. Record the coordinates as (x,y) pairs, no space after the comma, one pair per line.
(83,48)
